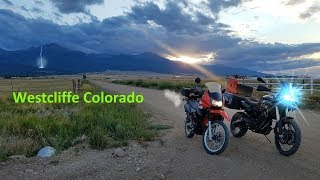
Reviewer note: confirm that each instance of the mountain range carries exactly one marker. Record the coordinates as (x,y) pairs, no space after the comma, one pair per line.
(61,60)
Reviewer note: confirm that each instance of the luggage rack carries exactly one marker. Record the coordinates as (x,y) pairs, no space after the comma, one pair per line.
(235,93)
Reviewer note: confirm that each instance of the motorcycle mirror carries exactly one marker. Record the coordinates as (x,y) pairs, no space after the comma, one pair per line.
(197,80)
(261,80)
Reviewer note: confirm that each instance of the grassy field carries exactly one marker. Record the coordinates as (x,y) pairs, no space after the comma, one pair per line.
(173,84)
(34,85)
(310,101)
(25,128)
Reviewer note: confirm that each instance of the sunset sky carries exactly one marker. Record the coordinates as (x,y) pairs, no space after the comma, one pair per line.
(273,35)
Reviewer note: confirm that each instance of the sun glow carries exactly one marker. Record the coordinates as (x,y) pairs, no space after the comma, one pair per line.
(185,59)
(193,60)
(313,56)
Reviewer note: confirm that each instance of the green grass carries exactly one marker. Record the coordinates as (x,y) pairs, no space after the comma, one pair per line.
(172,84)
(34,85)
(25,128)
(311,102)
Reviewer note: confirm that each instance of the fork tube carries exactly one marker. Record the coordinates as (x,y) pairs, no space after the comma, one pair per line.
(287,110)
(210,130)
(277,114)
(279,123)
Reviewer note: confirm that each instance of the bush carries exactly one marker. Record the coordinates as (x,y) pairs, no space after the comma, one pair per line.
(314,98)
(139,83)
(153,84)
(99,139)
(129,82)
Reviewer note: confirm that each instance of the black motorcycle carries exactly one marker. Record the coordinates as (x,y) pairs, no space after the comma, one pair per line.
(259,115)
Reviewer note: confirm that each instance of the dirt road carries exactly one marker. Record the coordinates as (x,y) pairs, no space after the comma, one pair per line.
(176,157)
(251,156)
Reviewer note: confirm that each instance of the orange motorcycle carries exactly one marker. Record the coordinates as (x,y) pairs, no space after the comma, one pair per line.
(205,116)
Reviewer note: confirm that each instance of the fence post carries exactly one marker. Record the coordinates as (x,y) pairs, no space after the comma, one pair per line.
(73,86)
(311,85)
(78,86)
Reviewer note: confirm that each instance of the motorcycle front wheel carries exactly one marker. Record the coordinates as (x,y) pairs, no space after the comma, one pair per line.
(188,127)
(219,140)
(289,141)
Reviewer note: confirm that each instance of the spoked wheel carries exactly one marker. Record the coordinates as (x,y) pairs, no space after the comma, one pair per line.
(289,141)
(238,126)
(188,127)
(219,140)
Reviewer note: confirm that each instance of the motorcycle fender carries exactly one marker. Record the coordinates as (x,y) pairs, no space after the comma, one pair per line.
(191,106)
(188,108)
(222,113)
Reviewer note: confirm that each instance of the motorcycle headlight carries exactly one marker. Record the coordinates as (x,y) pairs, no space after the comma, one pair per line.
(289,97)
(216,103)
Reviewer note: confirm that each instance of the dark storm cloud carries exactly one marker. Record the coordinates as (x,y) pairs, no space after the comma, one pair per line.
(8,2)
(310,11)
(269,56)
(18,32)
(74,6)
(172,18)
(217,5)
(149,28)
(130,33)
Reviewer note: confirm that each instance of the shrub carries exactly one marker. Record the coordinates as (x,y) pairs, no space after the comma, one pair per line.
(139,82)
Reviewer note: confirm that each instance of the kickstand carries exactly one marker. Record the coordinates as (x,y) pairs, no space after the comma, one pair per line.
(267,138)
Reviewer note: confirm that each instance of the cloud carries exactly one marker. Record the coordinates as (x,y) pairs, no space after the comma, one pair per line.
(310,11)
(24,8)
(74,6)
(37,10)
(217,5)
(39,2)
(269,57)
(172,18)
(8,2)
(169,30)
(294,2)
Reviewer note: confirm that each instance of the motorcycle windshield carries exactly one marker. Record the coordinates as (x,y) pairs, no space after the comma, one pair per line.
(214,91)
(213,87)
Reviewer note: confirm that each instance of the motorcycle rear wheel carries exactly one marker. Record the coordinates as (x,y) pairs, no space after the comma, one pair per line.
(216,138)
(292,136)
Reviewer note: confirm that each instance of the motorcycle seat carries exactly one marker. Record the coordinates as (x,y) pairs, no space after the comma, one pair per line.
(250,101)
